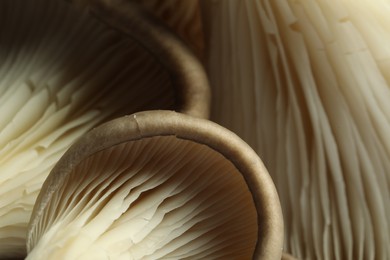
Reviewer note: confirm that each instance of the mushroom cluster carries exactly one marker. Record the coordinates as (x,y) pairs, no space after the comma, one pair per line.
(106,150)
(84,174)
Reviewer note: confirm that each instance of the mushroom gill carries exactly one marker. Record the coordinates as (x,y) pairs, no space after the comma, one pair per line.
(157,185)
(306,83)
(62,73)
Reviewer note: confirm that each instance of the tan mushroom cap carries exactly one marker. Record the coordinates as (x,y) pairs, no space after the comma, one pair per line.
(192,158)
(186,72)
(183,17)
(62,73)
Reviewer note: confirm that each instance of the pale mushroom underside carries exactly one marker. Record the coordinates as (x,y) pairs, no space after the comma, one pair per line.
(61,73)
(155,198)
(306,83)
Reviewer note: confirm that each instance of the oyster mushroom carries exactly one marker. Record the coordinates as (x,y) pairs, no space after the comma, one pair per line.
(306,84)
(62,73)
(157,185)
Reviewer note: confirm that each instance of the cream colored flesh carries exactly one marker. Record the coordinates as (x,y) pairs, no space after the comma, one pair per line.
(61,73)
(306,83)
(155,198)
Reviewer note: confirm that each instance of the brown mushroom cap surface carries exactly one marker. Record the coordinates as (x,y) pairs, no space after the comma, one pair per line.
(184,17)
(62,73)
(169,173)
(186,72)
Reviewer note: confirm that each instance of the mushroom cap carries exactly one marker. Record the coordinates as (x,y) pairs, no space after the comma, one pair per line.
(62,73)
(186,71)
(179,149)
(183,17)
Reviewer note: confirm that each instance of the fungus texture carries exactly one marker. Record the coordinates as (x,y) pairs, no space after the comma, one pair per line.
(160,197)
(184,17)
(157,185)
(62,73)
(306,83)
